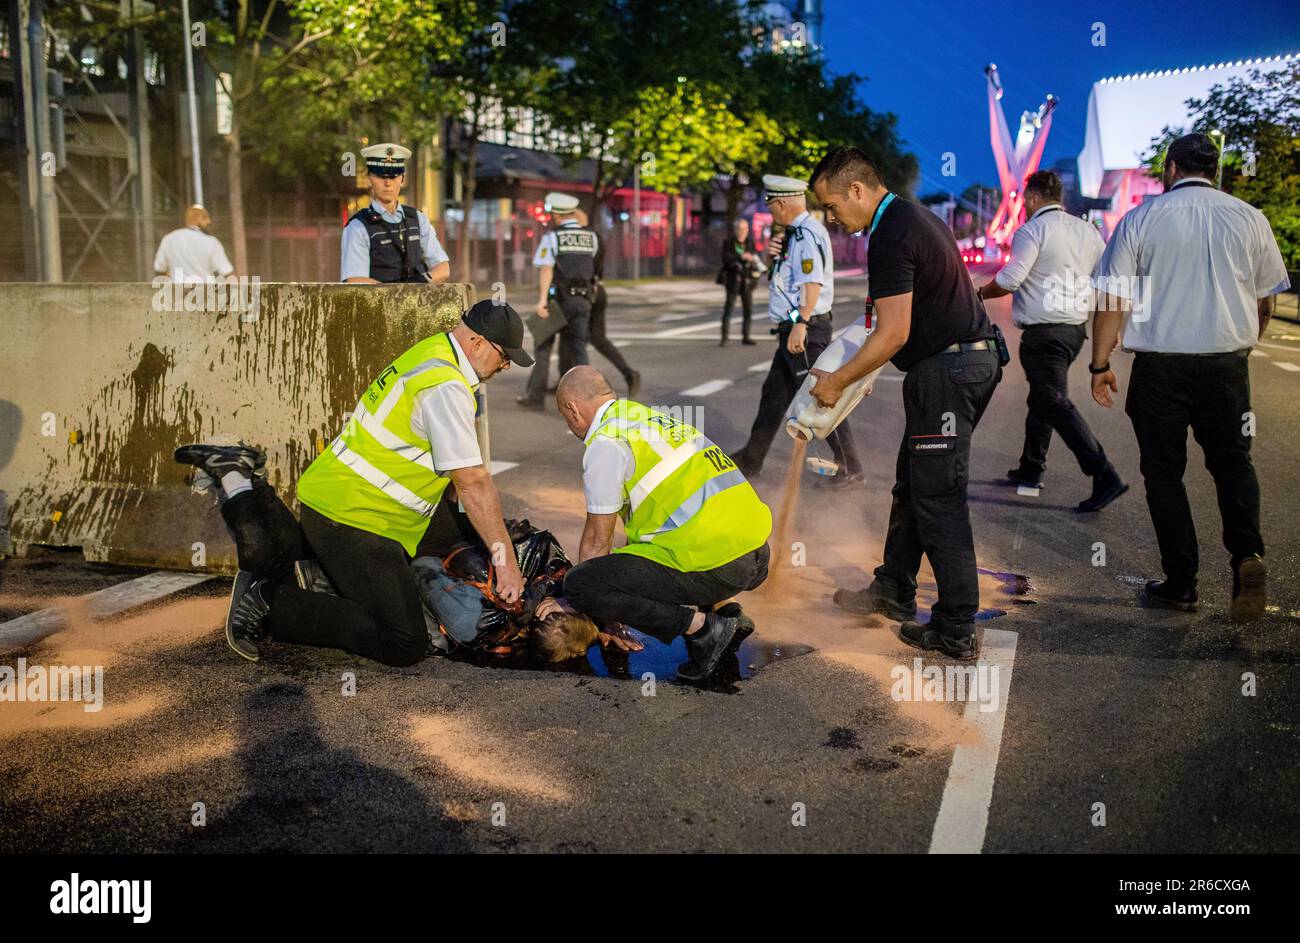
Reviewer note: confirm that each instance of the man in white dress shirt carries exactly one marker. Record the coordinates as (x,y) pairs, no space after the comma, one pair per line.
(1195,270)
(1052,257)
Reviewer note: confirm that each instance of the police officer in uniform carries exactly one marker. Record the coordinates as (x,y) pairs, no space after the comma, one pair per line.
(930,325)
(566,264)
(389,241)
(799,301)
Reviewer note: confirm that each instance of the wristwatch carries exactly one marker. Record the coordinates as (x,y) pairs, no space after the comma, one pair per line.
(1096,371)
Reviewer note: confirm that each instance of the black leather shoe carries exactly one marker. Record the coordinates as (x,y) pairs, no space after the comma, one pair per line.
(707,646)
(247,616)
(1105,489)
(1159,594)
(965,646)
(1016,477)
(1249,589)
(749,343)
(530,402)
(220,460)
(633,384)
(871,600)
(722,343)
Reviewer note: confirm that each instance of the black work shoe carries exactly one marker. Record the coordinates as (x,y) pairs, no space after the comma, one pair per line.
(221,460)
(707,646)
(528,401)
(722,343)
(749,342)
(633,384)
(749,471)
(1019,478)
(1105,489)
(246,616)
(871,600)
(965,646)
(1160,594)
(839,482)
(1249,589)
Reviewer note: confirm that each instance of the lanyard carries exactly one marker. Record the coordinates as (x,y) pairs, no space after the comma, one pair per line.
(880,211)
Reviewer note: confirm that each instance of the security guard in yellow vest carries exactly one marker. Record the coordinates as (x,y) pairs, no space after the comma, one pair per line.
(696,530)
(368,498)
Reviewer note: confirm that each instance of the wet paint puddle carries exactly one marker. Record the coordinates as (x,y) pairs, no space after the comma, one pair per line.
(656,659)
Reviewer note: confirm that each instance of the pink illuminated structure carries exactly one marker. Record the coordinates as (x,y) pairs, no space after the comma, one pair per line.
(1015,161)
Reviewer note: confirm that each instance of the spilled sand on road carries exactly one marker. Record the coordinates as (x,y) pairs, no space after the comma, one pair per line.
(477,756)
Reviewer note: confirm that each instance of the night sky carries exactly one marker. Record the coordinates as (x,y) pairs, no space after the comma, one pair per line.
(925,61)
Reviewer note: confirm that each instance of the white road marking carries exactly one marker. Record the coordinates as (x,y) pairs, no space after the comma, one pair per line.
(707,388)
(760,366)
(1258,353)
(497,468)
(1027,491)
(100,605)
(1286,366)
(963,817)
(1290,350)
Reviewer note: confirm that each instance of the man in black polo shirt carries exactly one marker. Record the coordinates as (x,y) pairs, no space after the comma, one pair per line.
(929,324)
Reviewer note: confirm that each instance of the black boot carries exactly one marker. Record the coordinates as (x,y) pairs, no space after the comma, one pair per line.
(874,599)
(954,641)
(707,646)
(1249,589)
(1165,594)
(1106,487)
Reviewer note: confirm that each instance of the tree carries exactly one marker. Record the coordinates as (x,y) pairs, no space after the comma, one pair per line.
(1259,120)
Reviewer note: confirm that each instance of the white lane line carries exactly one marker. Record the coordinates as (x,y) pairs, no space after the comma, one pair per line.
(964,810)
(1258,353)
(1027,491)
(1286,366)
(496,468)
(707,388)
(1289,350)
(760,366)
(100,605)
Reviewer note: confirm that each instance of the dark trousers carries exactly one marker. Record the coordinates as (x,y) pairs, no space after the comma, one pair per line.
(742,288)
(377,613)
(1167,393)
(944,397)
(1046,352)
(599,340)
(658,600)
(573,344)
(784,378)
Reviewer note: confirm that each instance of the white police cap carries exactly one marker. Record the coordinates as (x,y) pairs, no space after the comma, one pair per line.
(778,186)
(561,203)
(386,160)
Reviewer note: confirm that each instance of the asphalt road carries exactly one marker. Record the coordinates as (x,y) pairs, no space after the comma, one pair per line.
(1103,712)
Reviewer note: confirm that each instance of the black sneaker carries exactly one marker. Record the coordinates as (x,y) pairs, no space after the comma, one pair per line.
(1105,489)
(220,460)
(871,600)
(1249,589)
(1161,594)
(246,616)
(708,646)
(839,482)
(528,401)
(1019,478)
(965,646)
(633,384)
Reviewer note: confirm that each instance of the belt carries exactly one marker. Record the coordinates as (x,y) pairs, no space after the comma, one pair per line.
(1243,352)
(964,346)
(787,325)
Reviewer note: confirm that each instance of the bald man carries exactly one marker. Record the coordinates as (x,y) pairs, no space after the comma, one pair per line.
(696,530)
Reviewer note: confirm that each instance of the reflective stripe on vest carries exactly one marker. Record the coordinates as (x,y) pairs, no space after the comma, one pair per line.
(378,475)
(686,504)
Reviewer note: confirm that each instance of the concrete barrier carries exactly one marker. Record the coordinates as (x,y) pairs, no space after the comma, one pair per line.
(99,383)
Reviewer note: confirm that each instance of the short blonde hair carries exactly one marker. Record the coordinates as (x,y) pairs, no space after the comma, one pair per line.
(197,216)
(561,636)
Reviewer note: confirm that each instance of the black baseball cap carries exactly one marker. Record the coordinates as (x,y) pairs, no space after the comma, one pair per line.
(502,325)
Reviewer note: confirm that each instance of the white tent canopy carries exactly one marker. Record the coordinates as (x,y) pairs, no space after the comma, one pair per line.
(1127,112)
